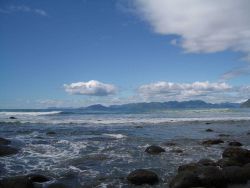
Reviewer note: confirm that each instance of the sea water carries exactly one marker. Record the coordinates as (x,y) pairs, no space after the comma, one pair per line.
(100,149)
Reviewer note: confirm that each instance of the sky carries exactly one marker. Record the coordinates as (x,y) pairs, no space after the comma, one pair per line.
(64,53)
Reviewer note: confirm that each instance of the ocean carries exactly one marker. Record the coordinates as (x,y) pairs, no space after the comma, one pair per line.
(99,150)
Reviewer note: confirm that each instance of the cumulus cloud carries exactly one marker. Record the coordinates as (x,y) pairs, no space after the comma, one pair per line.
(212,92)
(23,8)
(91,88)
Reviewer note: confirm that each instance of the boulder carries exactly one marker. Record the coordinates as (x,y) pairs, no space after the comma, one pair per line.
(142,176)
(228,162)
(154,150)
(12,117)
(235,143)
(4,141)
(235,175)
(51,133)
(207,162)
(238,154)
(7,150)
(212,142)
(185,179)
(38,178)
(189,167)
(209,130)
(16,182)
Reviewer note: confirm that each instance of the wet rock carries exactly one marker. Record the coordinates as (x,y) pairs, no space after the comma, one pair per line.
(51,133)
(188,167)
(207,162)
(208,123)
(209,130)
(38,178)
(211,176)
(235,143)
(169,144)
(139,127)
(228,162)
(7,150)
(223,135)
(235,175)
(154,150)
(177,151)
(238,154)
(12,117)
(142,176)
(16,182)
(185,179)
(57,185)
(4,141)
(212,142)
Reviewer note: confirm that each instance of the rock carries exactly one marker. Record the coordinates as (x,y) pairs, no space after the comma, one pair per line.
(12,117)
(188,167)
(207,162)
(235,143)
(212,142)
(16,182)
(235,174)
(208,123)
(209,130)
(7,150)
(51,133)
(4,141)
(57,185)
(238,154)
(139,127)
(169,144)
(154,150)
(224,135)
(142,176)
(38,178)
(211,176)
(185,179)
(228,162)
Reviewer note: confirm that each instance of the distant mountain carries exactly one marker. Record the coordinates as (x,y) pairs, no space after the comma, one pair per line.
(246,104)
(157,106)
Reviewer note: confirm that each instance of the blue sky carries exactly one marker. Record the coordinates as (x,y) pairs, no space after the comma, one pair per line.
(76,53)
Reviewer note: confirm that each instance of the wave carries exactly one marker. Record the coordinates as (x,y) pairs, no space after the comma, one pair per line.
(30,113)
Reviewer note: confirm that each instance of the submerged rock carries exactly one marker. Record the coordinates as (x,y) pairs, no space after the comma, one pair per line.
(7,150)
(209,130)
(12,117)
(223,135)
(212,142)
(16,182)
(235,143)
(142,176)
(237,154)
(38,178)
(154,150)
(4,141)
(51,133)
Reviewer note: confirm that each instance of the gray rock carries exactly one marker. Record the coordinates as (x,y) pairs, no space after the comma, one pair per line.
(142,176)
(154,150)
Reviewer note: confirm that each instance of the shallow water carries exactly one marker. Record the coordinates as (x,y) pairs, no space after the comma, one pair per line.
(99,150)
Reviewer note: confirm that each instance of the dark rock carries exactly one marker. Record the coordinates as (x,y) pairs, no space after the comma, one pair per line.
(208,123)
(228,162)
(235,143)
(38,178)
(211,176)
(238,154)
(7,150)
(212,142)
(207,162)
(139,127)
(189,167)
(51,133)
(142,176)
(12,117)
(169,144)
(4,141)
(16,182)
(235,174)
(185,179)
(209,130)
(154,150)
(57,185)
(223,135)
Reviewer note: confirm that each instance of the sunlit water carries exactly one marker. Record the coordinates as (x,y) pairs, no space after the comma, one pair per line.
(99,150)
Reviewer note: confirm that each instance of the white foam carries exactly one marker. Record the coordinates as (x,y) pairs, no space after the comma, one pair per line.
(29,113)
(117,136)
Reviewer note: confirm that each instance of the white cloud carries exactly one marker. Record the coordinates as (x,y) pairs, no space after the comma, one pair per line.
(91,88)
(23,8)
(211,92)
(204,26)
